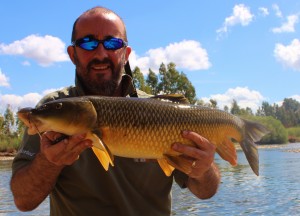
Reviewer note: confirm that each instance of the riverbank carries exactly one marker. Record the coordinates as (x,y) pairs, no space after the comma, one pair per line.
(7,156)
(275,146)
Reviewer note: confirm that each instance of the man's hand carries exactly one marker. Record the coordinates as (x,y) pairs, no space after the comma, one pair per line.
(199,157)
(204,176)
(66,151)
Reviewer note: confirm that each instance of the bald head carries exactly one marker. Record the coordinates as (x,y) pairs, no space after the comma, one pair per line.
(99,11)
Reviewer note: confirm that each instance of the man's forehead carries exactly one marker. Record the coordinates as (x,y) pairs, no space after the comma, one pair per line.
(97,21)
(99,25)
(99,17)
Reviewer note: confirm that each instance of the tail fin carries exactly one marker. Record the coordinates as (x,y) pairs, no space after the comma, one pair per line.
(253,132)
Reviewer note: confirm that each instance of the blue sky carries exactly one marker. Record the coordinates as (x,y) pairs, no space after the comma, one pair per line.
(243,50)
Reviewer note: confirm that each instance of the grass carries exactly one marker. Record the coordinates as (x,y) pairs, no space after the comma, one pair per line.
(9,144)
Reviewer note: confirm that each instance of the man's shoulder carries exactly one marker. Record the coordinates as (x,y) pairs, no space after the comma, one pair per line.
(69,91)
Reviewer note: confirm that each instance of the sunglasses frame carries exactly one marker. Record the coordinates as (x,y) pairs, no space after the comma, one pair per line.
(81,41)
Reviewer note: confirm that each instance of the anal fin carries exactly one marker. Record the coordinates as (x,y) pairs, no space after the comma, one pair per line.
(167,168)
(227,151)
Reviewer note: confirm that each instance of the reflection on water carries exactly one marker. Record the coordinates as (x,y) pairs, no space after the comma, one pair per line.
(275,192)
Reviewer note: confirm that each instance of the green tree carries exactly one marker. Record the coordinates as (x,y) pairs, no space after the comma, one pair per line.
(186,88)
(226,108)
(152,82)
(288,113)
(266,109)
(1,125)
(235,109)
(278,134)
(247,111)
(9,122)
(173,82)
(139,80)
(291,115)
(164,79)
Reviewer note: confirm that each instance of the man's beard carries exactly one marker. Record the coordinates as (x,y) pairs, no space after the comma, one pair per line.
(99,86)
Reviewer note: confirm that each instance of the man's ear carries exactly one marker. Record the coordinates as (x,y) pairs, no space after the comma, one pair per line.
(128,51)
(71,52)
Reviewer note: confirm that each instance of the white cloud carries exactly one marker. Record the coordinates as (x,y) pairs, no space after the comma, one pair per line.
(4,80)
(288,26)
(187,54)
(243,96)
(263,11)
(45,50)
(277,10)
(289,55)
(17,101)
(241,15)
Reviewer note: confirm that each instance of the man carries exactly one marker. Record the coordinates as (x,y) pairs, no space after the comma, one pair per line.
(70,172)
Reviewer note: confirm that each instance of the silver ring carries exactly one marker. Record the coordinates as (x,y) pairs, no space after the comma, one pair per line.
(194,163)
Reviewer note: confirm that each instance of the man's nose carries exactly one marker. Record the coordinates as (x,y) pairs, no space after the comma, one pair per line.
(100,51)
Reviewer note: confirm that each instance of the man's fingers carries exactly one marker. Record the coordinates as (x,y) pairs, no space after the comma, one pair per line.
(61,149)
(201,142)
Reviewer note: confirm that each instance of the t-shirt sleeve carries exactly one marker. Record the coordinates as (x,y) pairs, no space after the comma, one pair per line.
(29,147)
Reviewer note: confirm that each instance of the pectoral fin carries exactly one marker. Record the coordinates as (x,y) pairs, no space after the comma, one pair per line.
(167,168)
(101,151)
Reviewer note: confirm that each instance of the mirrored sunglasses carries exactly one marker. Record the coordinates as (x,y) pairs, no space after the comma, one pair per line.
(90,43)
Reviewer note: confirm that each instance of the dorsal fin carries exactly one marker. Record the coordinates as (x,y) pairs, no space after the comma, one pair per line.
(175,98)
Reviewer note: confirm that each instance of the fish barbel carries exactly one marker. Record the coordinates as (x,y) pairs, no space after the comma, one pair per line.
(144,128)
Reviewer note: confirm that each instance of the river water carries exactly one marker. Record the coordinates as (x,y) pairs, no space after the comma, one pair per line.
(275,192)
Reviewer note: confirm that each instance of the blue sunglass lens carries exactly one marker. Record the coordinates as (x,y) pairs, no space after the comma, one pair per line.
(88,43)
(113,44)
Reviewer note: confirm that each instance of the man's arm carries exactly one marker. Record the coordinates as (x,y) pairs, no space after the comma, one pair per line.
(31,184)
(207,185)
(204,176)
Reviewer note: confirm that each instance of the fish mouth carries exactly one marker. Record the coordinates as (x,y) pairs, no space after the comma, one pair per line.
(25,115)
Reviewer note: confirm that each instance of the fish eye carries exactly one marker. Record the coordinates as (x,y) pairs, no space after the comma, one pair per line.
(58,106)
(43,107)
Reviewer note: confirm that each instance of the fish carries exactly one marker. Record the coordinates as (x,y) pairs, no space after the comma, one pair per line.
(145,127)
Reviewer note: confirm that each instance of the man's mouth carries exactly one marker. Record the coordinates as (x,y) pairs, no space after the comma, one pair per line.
(100,67)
